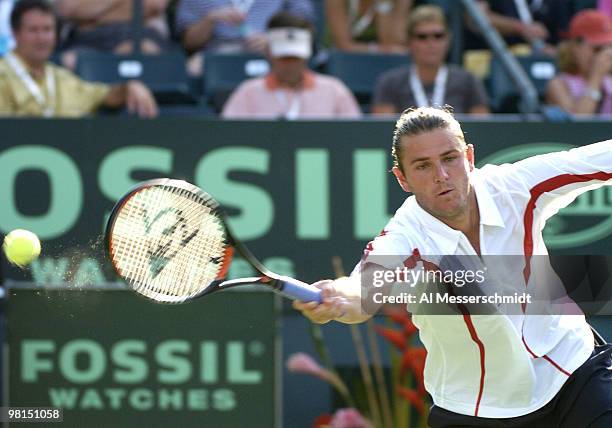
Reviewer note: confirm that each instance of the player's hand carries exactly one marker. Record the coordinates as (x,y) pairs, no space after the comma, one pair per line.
(331,307)
(140,100)
(227,15)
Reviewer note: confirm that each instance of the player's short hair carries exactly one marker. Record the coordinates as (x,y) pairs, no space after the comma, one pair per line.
(23,6)
(416,121)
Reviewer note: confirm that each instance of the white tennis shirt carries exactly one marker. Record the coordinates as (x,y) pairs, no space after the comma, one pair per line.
(504,365)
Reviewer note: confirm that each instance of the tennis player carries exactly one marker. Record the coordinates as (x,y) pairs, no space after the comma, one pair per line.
(518,370)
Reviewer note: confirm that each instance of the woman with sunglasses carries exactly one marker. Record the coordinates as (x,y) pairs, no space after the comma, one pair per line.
(584,84)
(428,80)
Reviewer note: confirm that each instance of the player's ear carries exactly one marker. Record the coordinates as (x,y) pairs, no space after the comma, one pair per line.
(470,156)
(401,179)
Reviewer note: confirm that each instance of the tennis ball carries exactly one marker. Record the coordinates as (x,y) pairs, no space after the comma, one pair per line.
(21,247)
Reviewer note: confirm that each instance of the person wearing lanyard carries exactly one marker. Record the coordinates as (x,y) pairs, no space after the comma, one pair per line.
(31,86)
(428,80)
(290,91)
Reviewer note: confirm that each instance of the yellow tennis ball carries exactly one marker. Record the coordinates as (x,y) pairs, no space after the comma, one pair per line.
(21,247)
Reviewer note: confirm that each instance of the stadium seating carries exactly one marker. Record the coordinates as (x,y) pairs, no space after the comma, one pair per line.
(505,95)
(164,74)
(359,71)
(224,72)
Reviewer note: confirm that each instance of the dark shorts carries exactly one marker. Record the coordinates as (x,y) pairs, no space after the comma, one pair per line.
(584,401)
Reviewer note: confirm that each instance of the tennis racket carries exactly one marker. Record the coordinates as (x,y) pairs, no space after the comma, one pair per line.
(169,240)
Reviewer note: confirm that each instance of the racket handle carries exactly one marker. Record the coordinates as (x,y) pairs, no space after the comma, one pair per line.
(298,290)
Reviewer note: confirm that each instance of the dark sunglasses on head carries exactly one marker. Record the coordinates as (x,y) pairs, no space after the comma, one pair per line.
(427,36)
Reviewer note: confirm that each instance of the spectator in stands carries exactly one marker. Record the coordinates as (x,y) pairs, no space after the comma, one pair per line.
(291,91)
(232,25)
(31,86)
(428,80)
(107,25)
(368,25)
(536,22)
(584,84)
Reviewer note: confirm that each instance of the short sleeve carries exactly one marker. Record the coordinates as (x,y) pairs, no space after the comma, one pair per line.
(346,104)
(385,90)
(7,106)
(77,97)
(236,105)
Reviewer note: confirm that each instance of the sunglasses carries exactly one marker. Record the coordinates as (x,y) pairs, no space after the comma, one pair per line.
(428,36)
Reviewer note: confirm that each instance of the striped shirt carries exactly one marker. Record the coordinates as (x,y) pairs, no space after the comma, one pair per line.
(577,86)
(227,35)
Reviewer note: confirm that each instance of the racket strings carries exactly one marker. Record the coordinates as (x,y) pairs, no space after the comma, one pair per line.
(163,241)
(182,278)
(186,285)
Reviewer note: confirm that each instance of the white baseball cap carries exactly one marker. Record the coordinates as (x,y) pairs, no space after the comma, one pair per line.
(290,41)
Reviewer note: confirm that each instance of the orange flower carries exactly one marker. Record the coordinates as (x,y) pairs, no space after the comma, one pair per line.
(396,337)
(413,397)
(409,328)
(402,318)
(414,359)
(322,421)
(398,316)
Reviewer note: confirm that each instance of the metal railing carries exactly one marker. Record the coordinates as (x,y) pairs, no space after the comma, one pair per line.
(530,102)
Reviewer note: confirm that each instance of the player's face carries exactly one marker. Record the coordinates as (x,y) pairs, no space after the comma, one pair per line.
(35,36)
(436,168)
(429,43)
(288,70)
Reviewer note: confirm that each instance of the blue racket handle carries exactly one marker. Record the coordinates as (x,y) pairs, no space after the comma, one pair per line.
(298,290)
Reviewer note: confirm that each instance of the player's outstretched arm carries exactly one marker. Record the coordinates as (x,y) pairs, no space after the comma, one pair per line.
(552,181)
(341,302)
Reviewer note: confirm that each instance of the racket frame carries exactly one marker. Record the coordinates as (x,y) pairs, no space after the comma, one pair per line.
(267,277)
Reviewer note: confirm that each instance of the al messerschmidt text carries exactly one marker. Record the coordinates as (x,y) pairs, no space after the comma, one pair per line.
(445,298)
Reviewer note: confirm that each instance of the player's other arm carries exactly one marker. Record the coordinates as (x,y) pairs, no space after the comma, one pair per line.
(560,177)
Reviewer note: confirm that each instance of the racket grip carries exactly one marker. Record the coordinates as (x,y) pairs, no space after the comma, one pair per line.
(298,290)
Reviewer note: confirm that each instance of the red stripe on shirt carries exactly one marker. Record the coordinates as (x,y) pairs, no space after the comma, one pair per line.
(467,318)
(410,263)
(470,325)
(537,191)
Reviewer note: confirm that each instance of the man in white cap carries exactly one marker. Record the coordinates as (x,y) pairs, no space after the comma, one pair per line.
(291,91)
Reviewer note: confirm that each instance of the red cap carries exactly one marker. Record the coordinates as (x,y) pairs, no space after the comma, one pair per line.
(592,26)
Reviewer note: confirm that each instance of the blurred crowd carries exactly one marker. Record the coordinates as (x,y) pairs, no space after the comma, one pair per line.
(292,59)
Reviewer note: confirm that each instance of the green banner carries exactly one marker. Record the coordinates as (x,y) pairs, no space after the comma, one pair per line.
(117,359)
(297,193)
